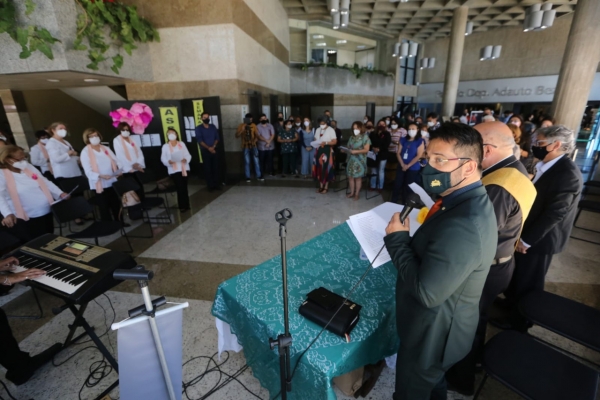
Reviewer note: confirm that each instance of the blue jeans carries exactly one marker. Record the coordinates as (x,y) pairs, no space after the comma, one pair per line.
(307,160)
(248,153)
(380,171)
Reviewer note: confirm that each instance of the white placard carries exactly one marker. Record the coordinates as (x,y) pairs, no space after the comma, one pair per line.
(146,142)
(136,140)
(214,119)
(155,139)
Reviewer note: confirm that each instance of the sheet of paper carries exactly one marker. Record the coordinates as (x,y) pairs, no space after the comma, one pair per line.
(344,149)
(372,155)
(188,135)
(146,142)
(315,143)
(189,122)
(214,119)
(136,140)
(425,198)
(155,139)
(369,229)
(69,194)
(177,156)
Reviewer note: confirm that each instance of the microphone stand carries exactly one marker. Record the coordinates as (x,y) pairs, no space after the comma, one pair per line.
(284,341)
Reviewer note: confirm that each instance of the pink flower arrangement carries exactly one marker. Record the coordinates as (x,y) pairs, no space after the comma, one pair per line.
(138,117)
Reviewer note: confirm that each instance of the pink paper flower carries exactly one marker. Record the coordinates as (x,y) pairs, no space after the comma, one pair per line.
(138,117)
(106,152)
(34,177)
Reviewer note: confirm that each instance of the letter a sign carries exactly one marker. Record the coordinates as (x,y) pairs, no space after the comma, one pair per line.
(170,120)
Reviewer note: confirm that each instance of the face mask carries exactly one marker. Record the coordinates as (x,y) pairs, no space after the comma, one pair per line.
(436,181)
(20,164)
(387,121)
(206,121)
(323,126)
(280,119)
(381,128)
(172,136)
(369,127)
(288,127)
(540,152)
(425,134)
(125,133)
(61,132)
(94,141)
(297,123)
(365,121)
(412,133)
(516,123)
(306,123)
(430,123)
(357,131)
(394,126)
(44,141)
(263,121)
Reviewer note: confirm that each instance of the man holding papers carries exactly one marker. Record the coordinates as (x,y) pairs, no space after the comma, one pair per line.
(443,267)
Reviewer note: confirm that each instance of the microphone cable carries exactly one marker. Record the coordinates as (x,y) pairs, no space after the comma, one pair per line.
(362,278)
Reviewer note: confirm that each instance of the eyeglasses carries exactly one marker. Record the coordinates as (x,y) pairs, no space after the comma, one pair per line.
(439,161)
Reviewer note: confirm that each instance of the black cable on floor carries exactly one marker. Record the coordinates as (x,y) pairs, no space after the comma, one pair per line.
(7,391)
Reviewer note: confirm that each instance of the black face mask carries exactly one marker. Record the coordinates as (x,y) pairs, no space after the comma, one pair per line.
(280,119)
(540,152)
(206,120)
(263,121)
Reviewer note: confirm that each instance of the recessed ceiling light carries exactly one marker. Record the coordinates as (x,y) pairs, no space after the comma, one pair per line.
(322,44)
(318,37)
(361,46)
(341,41)
(90,80)
(53,80)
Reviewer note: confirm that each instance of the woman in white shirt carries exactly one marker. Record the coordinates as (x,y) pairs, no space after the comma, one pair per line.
(176,157)
(25,196)
(63,158)
(39,154)
(323,166)
(102,169)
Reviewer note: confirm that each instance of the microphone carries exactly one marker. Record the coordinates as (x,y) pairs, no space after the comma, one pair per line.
(412,201)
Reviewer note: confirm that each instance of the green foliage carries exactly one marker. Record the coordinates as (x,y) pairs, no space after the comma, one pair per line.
(31,38)
(125,26)
(355,69)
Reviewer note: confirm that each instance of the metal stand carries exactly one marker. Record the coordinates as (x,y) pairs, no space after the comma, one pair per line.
(142,276)
(284,341)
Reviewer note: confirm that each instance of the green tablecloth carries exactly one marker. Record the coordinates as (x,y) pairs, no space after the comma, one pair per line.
(252,303)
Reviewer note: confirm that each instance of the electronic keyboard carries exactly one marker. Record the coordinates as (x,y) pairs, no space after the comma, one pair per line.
(76,271)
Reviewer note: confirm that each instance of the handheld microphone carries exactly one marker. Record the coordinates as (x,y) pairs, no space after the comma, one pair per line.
(412,201)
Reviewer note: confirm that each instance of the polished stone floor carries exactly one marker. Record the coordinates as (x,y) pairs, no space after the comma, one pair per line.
(224,234)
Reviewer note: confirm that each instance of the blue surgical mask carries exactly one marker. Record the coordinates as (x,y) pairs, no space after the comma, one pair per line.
(436,181)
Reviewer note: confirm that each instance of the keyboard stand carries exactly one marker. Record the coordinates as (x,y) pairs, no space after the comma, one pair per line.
(80,321)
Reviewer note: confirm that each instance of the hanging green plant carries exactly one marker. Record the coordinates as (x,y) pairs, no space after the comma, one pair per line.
(31,38)
(125,25)
(355,69)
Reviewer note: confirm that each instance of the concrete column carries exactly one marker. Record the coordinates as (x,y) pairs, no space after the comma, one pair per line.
(579,65)
(455,53)
(18,117)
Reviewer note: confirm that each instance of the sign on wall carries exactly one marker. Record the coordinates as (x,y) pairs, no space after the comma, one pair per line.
(539,89)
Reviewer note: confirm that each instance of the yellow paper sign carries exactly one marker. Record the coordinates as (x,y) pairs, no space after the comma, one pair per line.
(170,120)
(198,110)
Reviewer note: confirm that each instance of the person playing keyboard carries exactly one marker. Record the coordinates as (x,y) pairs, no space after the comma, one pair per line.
(20,366)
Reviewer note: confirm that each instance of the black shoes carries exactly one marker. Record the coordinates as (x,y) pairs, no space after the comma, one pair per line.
(33,365)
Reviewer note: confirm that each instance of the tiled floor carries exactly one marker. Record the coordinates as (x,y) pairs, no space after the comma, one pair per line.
(226,233)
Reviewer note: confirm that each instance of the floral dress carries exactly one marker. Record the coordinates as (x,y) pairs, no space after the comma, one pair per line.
(357,163)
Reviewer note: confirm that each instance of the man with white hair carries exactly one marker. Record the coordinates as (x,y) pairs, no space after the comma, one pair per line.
(558,182)
(488,118)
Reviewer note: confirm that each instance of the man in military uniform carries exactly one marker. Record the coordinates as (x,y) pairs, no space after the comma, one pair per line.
(443,267)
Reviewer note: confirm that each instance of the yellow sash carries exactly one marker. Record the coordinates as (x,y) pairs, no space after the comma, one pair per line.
(515,183)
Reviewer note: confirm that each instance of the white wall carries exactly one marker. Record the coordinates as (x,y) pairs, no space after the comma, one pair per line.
(346,57)
(365,57)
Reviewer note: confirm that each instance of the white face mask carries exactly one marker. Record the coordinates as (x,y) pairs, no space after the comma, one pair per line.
(394,126)
(425,134)
(357,131)
(20,164)
(412,133)
(516,123)
(288,127)
(61,132)
(44,141)
(172,136)
(94,141)
(430,123)
(365,121)
(323,126)
(125,133)
(306,123)
(297,123)
(387,121)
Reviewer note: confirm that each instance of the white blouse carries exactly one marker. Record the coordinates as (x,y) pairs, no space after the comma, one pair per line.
(104,166)
(325,135)
(120,152)
(38,159)
(34,202)
(180,151)
(63,165)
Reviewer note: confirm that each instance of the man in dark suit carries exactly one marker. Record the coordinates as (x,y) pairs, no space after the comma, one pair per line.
(443,267)
(547,229)
(512,194)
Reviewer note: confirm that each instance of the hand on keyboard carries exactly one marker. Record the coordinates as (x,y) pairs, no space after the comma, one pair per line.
(8,263)
(23,276)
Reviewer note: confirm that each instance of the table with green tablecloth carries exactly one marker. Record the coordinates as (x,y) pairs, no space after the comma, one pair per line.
(252,304)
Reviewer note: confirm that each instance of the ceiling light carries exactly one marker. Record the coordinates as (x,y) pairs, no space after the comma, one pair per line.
(490,53)
(427,63)
(413,49)
(334,6)
(341,41)
(396,50)
(496,52)
(469,28)
(331,51)
(336,20)
(53,80)
(539,17)
(90,80)
(345,7)
(318,37)
(404,50)
(345,19)
(321,44)
(361,46)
